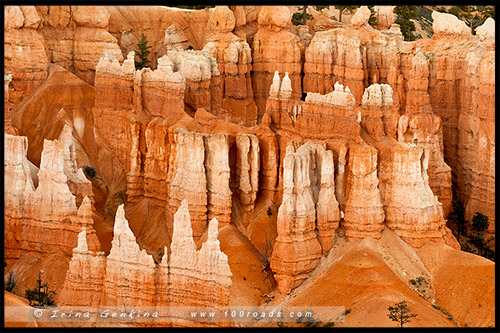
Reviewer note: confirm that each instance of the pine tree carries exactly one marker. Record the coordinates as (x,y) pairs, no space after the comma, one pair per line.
(400,313)
(405,14)
(300,17)
(142,53)
(343,8)
(457,216)
(42,295)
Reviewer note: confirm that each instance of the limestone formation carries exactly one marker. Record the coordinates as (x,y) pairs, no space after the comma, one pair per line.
(247,169)
(219,195)
(223,19)
(8,128)
(174,37)
(234,60)
(25,51)
(130,271)
(196,278)
(411,209)
(317,115)
(275,49)
(245,136)
(83,284)
(361,17)
(448,24)
(385,16)
(187,177)
(78,184)
(378,116)
(76,37)
(487,29)
(327,206)
(308,203)
(127,276)
(364,213)
(202,76)
(426,128)
(46,219)
(121,89)
(355,58)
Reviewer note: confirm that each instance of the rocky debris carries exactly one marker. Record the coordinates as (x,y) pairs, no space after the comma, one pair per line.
(275,49)
(364,213)
(308,203)
(448,24)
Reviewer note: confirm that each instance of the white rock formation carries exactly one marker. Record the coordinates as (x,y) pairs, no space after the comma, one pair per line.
(444,24)
(361,16)
(487,29)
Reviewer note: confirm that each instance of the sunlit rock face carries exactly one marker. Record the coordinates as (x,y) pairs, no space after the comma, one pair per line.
(129,276)
(249,158)
(234,60)
(45,219)
(275,49)
(308,203)
(25,50)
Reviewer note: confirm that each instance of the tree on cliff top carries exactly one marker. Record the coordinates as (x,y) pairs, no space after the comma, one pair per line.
(405,15)
(142,53)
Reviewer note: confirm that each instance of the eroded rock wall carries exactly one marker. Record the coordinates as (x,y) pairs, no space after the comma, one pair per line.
(234,60)
(275,49)
(45,219)
(129,276)
(308,203)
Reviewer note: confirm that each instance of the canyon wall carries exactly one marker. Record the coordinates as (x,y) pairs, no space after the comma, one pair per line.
(358,130)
